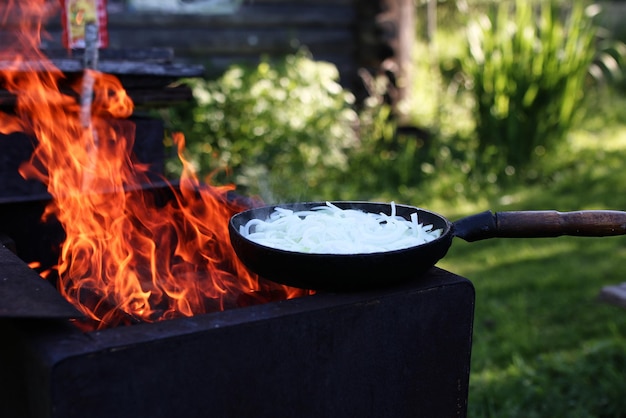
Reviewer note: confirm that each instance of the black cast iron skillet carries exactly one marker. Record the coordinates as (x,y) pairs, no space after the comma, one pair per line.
(341,272)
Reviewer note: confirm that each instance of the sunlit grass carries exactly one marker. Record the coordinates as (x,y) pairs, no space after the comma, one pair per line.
(577,382)
(544,345)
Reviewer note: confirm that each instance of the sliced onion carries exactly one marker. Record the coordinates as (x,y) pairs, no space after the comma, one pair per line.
(331,230)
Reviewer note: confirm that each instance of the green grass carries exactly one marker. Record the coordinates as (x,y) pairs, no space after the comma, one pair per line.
(544,345)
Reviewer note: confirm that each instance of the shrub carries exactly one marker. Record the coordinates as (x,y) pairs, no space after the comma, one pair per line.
(528,61)
(279,130)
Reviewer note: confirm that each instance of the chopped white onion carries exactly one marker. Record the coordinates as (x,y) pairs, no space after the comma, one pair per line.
(331,230)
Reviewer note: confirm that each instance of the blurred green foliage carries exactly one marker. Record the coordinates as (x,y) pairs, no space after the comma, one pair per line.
(490,101)
(528,62)
(282,130)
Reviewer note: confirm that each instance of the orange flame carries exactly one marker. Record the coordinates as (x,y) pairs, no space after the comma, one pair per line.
(126,256)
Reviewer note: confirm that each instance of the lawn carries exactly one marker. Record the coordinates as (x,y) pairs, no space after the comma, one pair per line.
(544,345)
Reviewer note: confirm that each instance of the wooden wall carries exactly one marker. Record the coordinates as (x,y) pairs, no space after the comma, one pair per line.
(352,34)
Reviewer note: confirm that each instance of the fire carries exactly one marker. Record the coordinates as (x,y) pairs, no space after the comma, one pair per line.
(127,257)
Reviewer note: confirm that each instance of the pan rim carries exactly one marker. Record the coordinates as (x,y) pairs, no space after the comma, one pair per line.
(447,227)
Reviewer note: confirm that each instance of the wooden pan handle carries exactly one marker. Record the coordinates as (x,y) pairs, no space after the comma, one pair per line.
(544,223)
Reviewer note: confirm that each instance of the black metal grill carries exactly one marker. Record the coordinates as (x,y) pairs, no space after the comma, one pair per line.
(398,352)
(402,351)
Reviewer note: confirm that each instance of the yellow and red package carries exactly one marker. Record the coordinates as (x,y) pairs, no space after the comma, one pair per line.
(75,14)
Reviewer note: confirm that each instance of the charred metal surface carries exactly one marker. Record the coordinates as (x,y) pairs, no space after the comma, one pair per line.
(32,238)
(147,74)
(24,294)
(398,352)
(8,242)
(17,148)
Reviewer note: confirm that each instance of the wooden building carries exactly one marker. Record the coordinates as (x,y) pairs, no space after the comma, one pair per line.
(375,35)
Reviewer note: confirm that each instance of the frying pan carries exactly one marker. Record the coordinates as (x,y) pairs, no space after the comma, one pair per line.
(348,272)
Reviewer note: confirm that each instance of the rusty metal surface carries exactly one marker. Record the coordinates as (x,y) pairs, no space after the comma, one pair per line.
(24,294)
